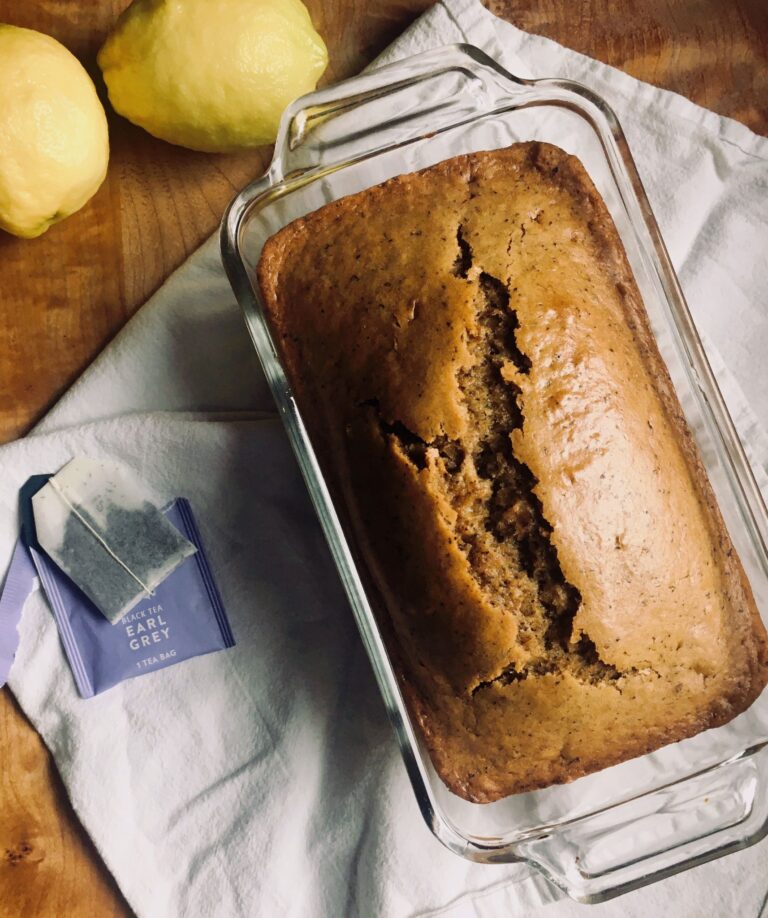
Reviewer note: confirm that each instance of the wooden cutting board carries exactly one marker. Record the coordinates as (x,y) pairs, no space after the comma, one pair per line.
(64,295)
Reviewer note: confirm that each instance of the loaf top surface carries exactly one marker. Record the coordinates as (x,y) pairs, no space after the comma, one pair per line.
(475,368)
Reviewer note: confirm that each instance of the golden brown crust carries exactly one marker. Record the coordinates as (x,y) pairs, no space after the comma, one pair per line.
(478,377)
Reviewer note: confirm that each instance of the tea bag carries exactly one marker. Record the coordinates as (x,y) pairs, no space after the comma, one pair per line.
(94,523)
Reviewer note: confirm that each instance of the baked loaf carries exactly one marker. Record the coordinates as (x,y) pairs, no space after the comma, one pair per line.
(471,357)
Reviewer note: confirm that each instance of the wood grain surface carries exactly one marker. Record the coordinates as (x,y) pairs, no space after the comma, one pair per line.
(64,295)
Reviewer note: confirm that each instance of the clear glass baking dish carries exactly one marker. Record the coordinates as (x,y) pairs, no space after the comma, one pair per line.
(658,814)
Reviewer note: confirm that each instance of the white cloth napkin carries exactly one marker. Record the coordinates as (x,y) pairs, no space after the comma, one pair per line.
(265,779)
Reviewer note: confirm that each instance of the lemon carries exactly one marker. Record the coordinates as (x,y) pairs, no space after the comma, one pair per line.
(54,145)
(212,76)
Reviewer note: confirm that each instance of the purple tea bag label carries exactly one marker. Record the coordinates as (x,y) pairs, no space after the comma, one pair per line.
(184,618)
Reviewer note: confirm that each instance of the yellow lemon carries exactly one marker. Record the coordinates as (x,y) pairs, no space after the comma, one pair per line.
(54,145)
(212,76)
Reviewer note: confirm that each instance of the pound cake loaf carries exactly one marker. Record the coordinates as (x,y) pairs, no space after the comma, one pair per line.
(474,365)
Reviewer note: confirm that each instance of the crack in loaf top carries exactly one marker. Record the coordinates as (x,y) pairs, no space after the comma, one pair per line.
(476,370)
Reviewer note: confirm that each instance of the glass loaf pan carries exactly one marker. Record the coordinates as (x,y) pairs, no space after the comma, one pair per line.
(648,818)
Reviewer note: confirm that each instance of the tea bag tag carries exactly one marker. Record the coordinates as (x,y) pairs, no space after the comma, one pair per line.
(92,520)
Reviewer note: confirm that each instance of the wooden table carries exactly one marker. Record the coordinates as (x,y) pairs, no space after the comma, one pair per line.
(63,296)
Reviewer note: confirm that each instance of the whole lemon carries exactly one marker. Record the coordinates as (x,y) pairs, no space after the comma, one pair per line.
(54,145)
(212,76)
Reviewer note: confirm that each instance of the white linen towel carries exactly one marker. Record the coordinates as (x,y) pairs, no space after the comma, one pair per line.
(265,779)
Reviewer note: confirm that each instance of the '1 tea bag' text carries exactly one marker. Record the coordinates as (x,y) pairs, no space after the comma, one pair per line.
(93,521)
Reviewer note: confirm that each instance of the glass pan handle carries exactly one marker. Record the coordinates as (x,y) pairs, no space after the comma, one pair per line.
(659,834)
(322,128)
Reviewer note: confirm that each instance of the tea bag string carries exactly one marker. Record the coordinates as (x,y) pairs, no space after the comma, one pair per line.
(57,488)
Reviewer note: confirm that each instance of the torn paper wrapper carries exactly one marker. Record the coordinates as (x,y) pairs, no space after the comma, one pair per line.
(94,522)
(19,583)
